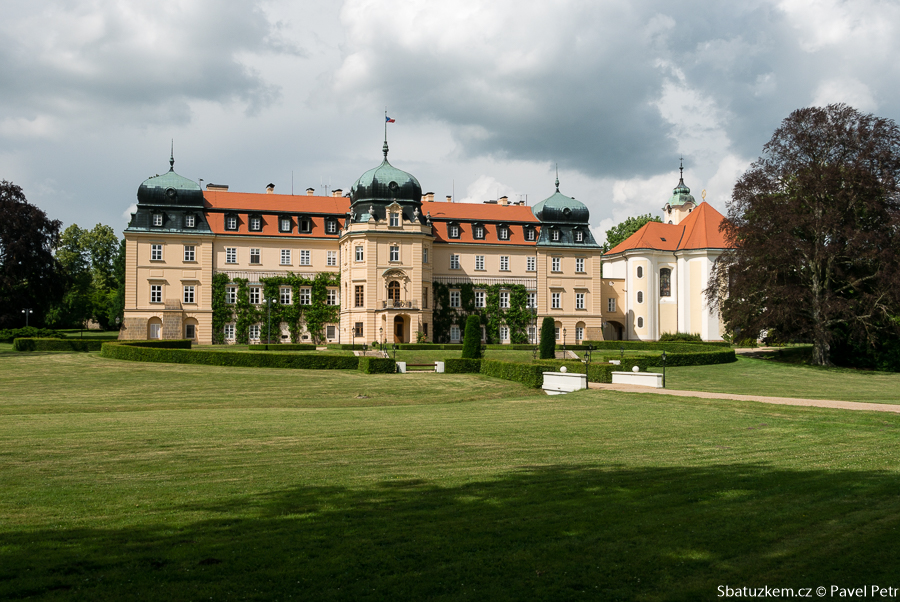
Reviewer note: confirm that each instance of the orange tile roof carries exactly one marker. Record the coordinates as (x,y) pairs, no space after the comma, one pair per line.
(242,202)
(479,212)
(699,230)
(516,234)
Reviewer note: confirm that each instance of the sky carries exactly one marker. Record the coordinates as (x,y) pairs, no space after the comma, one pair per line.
(488,97)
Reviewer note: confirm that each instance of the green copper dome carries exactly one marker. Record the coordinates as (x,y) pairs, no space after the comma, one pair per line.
(561,208)
(170,189)
(386,183)
(681,194)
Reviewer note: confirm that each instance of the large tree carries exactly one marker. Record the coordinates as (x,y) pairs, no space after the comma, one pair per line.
(623,230)
(815,224)
(29,274)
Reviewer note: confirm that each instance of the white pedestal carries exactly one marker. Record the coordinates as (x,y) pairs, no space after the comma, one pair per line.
(560,383)
(439,367)
(401,367)
(641,379)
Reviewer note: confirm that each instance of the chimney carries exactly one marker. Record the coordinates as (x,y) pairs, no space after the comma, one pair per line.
(270,189)
(504,201)
(449,199)
(428,197)
(337,192)
(310,191)
(218,187)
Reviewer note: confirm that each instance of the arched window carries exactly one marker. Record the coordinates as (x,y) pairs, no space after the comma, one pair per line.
(640,296)
(640,272)
(640,322)
(665,282)
(394,291)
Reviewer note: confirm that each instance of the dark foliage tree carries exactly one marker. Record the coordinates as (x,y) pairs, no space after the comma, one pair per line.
(472,338)
(622,231)
(29,274)
(548,339)
(815,223)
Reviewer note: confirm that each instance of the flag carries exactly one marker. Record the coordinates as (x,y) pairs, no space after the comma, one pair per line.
(388,119)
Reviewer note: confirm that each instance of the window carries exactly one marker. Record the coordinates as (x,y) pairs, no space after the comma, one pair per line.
(358,329)
(479,262)
(395,219)
(503,233)
(155,293)
(331,299)
(478,231)
(532,300)
(640,322)
(305,296)
(189,293)
(284,224)
(395,253)
(579,236)
(230,295)
(424,254)
(190,331)
(306,225)
(504,299)
(284,295)
(255,223)
(504,262)
(640,297)
(556,332)
(189,253)
(190,221)
(556,264)
(454,332)
(330,332)
(332,257)
(504,333)
(229,332)
(454,299)
(394,290)
(529,233)
(425,329)
(305,257)
(556,301)
(454,262)
(254,256)
(254,332)
(665,282)
(359,253)
(579,333)
(360,298)
(453,231)
(157,219)
(579,300)
(285,257)
(554,235)
(231,222)
(531,335)
(611,305)
(230,254)
(425,300)
(531,264)
(579,264)
(479,299)
(331,227)
(640,272)
(155,252)
(255,295)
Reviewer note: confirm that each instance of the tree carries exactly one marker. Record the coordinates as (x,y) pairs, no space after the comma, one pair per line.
(548,339)
(29,274)
(472,338)
(617,234)
(815,225)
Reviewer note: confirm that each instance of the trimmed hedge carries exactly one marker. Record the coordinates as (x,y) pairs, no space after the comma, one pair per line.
(284,347)
(40,344)
(143,352)
(8,335)
(156,343)
(457,365)
(655,345)
(527,374)
(376,365)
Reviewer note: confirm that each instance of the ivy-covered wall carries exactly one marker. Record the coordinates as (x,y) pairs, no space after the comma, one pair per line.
(517,317)
(243,313)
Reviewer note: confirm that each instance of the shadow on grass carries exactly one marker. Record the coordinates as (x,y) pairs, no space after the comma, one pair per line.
(548,533)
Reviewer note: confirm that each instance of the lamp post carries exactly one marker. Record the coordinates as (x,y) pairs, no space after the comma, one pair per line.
(381,336)
(664,369)
(27,311)
(586,359)
(622,349)
(269,320)
(534,352)
(395,351)
(564,343)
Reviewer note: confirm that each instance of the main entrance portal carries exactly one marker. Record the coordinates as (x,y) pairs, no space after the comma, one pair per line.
(398,329)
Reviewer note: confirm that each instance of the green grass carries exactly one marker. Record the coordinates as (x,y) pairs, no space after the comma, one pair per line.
(166,482)
(770,378)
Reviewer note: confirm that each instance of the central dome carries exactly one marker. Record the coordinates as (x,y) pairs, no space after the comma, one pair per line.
(561,208)
(386,183)
(170,189)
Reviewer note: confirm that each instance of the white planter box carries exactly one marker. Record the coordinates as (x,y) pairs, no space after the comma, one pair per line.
(439,367)
(401,367)
(560,383)
(642,379)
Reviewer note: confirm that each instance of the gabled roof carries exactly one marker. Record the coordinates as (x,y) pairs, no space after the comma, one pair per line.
(699,230)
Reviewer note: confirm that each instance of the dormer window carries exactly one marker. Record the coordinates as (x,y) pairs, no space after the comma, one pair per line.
(453,230)
(478,232)
(554,235)
(579,236)
(395,219)
(284,224)
(529,233)
(503,233)
(305,225)
(231,222)
(331,227)
(157,219)
(190,221)
(255,223)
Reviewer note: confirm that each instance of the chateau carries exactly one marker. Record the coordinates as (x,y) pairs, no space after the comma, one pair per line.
(388,263)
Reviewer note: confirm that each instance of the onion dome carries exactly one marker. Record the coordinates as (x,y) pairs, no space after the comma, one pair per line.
(170,189)
(386,183)
(561,208)
(681,194)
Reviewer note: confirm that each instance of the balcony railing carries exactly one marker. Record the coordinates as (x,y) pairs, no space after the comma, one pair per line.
(528,283)
(397,304)
(254,277)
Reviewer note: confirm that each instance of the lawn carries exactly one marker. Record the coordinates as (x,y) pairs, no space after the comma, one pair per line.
(767,377)
(162,482)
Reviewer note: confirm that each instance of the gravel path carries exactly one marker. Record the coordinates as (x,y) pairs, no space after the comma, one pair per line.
(788,401)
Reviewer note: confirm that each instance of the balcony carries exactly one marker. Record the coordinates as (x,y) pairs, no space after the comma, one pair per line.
(397,304)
